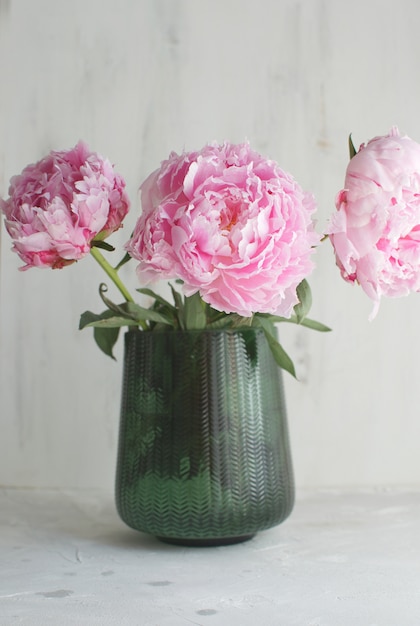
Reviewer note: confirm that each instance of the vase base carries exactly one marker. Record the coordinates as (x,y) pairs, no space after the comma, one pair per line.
(205,543)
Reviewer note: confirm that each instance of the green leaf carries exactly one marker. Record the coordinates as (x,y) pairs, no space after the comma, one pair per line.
(126,258)
(148,292)
(104,320)
(221,322)
(274,318)
(251,346)
(169,312)
(113,322)
(194,312)
(88,318)
(119,309)
(314,325)
(352,149)
(140,313)
(304,294)
(106,338)
(97,243)
(132,311)
(179,305)
(239,321)
(280,355)
(159,327)
(308,323)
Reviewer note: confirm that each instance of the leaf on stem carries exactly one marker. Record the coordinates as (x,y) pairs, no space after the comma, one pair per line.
(126,258)
(352,149)
(314,325)
(132,311)
(308,323)
(179,305)
(111,305)
(194,312)
(140,313)
(107,319)
(221,322)
(148,292)
(106,338)
(104,245)
(304,294)
(280,355)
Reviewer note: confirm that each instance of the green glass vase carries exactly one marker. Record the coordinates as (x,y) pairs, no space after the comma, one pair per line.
(204,454)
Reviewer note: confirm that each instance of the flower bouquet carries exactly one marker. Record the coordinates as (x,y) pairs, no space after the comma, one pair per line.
(204,454)
(232,228)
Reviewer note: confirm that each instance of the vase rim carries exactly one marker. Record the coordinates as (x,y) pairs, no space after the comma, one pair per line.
(201,331)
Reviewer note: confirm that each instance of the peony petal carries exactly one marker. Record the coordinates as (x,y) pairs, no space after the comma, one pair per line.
(65,201)
(376,214)
(230,224)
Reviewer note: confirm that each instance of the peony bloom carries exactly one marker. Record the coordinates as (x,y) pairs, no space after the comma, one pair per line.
(229,223)
(60,204)
(376,229)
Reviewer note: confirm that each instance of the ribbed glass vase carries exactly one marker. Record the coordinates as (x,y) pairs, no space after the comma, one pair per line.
(204,454)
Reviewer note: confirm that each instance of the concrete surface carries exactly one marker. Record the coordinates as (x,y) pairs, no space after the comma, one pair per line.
(341,559)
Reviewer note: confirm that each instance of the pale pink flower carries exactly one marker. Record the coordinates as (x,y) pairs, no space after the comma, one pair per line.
(376,229)
(229,223)
(58,205)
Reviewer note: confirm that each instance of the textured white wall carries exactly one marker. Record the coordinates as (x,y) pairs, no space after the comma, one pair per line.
(139,78)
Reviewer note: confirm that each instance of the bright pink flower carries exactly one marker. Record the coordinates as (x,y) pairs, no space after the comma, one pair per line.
(376,230)
(229,223)
(60,204)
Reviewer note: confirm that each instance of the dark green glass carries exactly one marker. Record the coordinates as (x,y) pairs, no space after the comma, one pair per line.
(204,454)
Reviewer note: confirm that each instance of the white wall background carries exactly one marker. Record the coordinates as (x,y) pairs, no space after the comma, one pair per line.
(139,78)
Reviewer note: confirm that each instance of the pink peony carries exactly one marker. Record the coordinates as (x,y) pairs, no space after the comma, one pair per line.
(60,204)
(376,229)
(229,223)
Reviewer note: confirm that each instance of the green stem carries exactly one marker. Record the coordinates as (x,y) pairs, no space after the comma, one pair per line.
(112,273)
